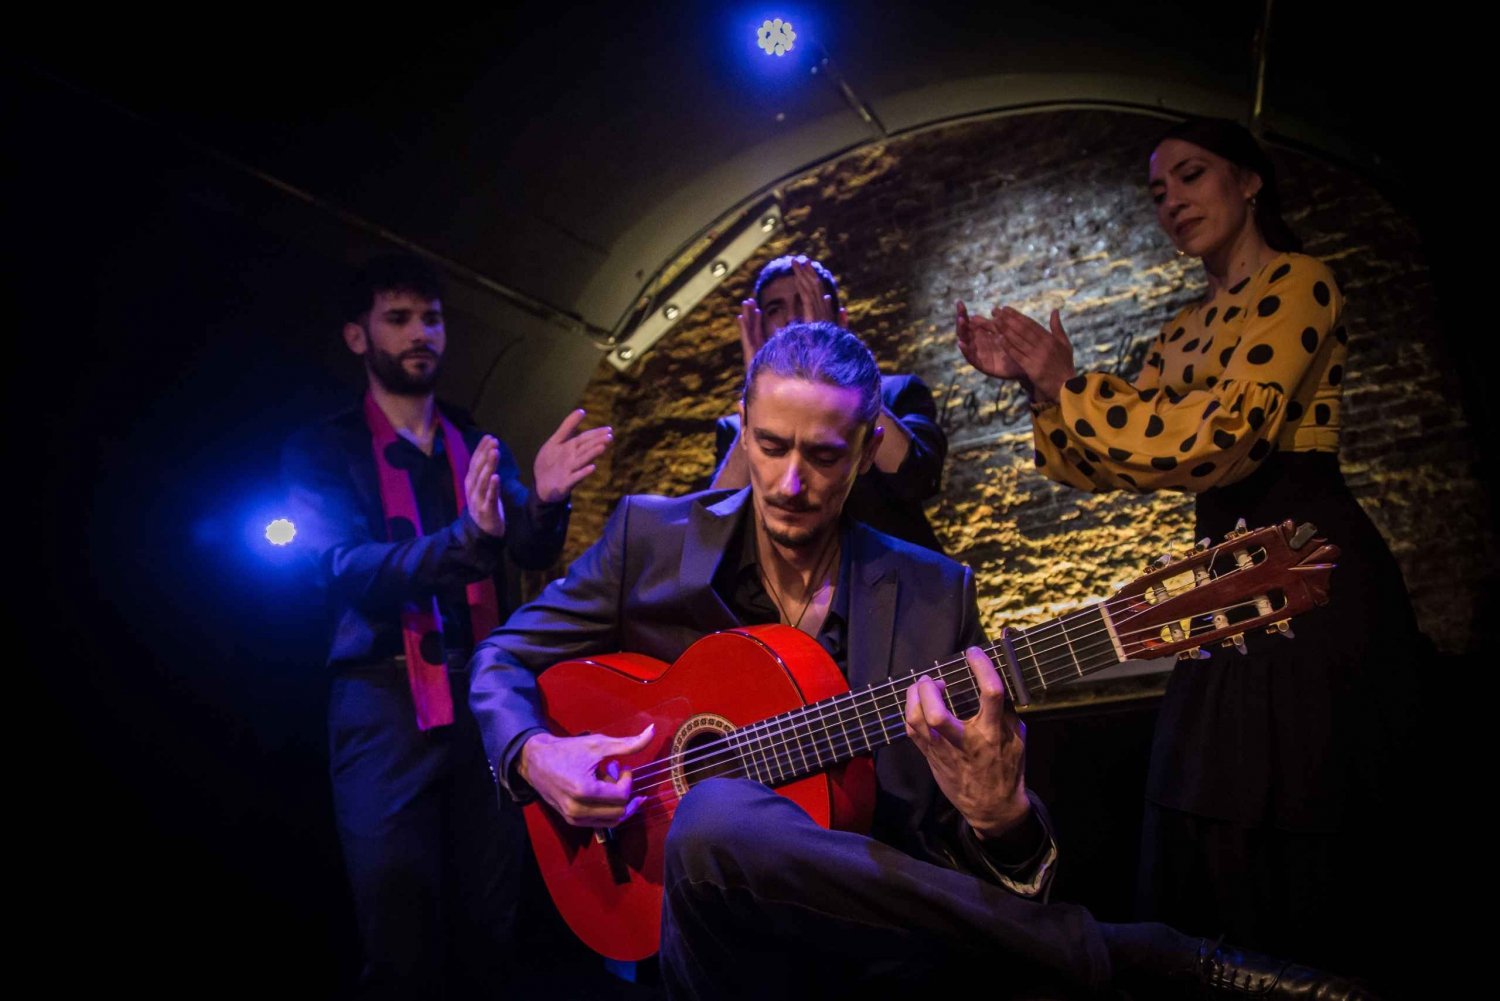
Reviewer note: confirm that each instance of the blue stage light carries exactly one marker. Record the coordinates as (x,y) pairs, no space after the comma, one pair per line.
(280,532)
(776,37)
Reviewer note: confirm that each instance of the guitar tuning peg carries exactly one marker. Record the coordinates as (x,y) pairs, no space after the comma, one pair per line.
(1165,559)
(1203,544)
(1238,530)
(1284,627)
(1304,531)
(1194,653)
(1237,641)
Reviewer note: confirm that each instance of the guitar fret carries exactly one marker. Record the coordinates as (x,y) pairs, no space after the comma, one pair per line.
(764,761)
(1068,642)
(747,756)
(729,742)
(801,743)
(775,753)
(1041,678)
(839,705)
(824,753)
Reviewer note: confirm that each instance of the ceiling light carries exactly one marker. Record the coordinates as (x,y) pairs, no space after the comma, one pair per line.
(776,37)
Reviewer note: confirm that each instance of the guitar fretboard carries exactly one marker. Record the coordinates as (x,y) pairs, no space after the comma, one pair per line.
(814,737)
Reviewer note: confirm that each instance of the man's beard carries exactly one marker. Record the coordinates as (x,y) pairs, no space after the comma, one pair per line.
(390,371)
(797,539)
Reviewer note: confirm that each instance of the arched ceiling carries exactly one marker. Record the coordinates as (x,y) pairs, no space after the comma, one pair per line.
(566,153)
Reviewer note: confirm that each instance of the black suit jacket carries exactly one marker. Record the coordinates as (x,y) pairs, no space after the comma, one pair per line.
(647,587)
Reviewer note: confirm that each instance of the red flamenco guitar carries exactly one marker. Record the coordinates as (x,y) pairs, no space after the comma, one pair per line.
(790,721)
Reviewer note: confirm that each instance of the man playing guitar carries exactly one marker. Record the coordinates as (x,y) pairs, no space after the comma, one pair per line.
(757,899)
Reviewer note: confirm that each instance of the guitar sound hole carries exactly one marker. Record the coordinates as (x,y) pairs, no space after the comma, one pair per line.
(710,757)
(701,751)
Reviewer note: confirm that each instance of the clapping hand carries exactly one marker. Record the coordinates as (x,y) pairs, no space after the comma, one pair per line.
(1044,354)
(567,457)
(813,303)
(982,346)
(1010,345)
(752,330)
(482,488)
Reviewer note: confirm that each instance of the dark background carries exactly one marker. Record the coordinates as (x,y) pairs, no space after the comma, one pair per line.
(175,323)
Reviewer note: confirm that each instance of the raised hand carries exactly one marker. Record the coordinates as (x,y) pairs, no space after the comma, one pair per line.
(979,763)
(566,772)
(816,305)
(567,457)
(482,488)
(979,340)
(1044,354)
(752,330)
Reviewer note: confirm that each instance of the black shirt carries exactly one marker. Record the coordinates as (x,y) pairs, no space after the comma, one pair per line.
(738,582)
(432,484)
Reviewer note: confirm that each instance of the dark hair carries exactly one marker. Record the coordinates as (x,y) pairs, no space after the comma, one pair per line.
(820,352)
(1233,142)
(782,266)
(389,273)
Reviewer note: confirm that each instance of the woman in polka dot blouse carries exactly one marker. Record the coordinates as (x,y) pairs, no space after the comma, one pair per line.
(1269,772)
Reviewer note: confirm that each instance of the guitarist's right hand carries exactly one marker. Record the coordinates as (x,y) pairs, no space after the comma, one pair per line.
(566,774)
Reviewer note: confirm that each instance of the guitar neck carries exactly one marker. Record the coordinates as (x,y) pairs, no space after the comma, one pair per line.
(827,733)
(1252,580)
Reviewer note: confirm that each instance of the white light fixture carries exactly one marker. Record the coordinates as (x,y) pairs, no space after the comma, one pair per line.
(775,37)
(726,256)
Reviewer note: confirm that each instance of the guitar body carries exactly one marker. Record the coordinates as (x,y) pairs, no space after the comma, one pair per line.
(608,887)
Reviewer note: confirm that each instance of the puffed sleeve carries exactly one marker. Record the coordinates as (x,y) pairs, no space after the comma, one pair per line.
(1108,434)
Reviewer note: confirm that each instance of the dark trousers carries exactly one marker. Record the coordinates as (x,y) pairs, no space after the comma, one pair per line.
(762,902)
(434,858)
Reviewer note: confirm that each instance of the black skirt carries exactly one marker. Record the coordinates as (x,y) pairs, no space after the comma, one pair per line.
(1297,734)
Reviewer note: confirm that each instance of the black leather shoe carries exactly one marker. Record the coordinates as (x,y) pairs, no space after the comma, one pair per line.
(1226,972)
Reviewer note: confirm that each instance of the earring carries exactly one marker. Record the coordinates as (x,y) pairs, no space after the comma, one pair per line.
(1252,202)
(1182,253)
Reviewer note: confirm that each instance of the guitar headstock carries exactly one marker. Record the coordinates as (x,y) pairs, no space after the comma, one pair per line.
(1254,579)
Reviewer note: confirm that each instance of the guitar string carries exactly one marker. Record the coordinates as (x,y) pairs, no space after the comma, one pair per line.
(876,730)
(1098,636)
(760,732)
(773,746)
(774,758)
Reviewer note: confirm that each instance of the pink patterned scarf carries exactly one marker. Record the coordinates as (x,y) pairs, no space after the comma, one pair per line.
(426,668)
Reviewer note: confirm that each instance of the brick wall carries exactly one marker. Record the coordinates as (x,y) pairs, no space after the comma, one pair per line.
(1050,210)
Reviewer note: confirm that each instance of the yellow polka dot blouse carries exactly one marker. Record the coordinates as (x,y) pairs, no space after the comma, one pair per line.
(1226,382)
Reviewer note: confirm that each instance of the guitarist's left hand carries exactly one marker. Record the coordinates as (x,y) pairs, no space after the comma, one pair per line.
(979,763)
